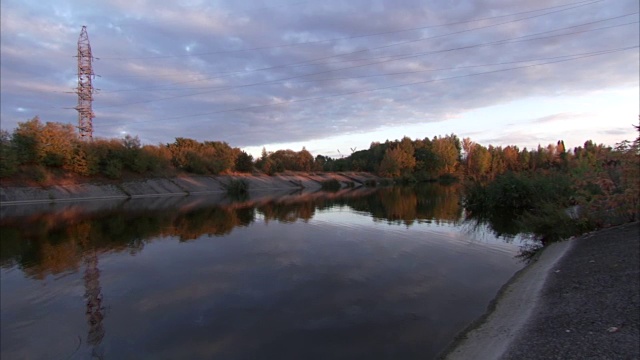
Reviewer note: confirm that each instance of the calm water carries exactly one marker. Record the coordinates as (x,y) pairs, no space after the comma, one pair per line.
(389,273)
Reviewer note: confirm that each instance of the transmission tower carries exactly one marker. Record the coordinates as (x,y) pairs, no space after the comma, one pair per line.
(85,88)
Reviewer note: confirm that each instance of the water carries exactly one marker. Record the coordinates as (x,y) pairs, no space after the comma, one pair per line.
(388,273)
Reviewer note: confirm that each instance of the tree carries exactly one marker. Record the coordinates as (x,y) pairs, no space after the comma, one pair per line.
(134,158)
(320,162)
(181,149)
(25,140)
(56,143)
(447,153)
(510,155)
(479,162)
(220,157)
(397,162)
(304,160)
(8,156)
(79,162)
(244,162)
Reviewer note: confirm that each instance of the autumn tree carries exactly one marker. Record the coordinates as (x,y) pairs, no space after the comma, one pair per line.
(447,152)
(304,160)
(397,161)
(56,143)
(479,162)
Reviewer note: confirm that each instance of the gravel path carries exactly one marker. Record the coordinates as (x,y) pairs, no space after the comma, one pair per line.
(590,305)
(579,300)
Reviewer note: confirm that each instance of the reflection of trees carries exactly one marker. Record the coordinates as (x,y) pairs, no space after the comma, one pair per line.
(439,203)
(288,212)
(57,242)
(503,224)
(405,205)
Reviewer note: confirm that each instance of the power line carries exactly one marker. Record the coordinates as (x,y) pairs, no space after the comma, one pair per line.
(272,82)
(390,58)
(382,88)
(376,48)
(500,42)
(587,2)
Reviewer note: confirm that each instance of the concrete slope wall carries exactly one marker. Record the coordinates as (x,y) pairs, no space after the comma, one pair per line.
(178,186)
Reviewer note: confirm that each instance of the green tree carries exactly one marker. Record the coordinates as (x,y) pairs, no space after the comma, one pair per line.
(8,156)
(244,162)
(25,140)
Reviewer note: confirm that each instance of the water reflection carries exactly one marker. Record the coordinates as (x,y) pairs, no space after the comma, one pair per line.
(321,275)
(54,241)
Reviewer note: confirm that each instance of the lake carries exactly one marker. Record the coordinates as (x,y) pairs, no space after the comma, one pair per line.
(368,273)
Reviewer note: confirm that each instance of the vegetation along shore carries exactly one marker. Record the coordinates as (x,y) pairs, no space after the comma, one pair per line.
(552,192)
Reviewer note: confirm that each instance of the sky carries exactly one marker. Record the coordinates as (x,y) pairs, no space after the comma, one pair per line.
(332,76)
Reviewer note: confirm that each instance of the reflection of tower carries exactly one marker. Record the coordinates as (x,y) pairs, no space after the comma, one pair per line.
(92,293)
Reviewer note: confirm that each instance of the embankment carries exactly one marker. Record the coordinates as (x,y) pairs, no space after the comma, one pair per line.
(176,186)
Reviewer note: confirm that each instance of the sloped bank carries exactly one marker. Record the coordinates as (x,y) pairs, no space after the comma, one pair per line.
(176,186)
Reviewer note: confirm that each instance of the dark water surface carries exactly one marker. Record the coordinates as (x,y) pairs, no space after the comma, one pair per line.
(390,273)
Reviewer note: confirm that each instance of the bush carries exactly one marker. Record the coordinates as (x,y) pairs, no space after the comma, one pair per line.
(112,168)
(331,185)
(38,173)
(237,189)
(8,156)
(519,192)
(524,202)
(549,223)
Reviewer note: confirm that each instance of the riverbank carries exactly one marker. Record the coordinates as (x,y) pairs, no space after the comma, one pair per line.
(579,299)
(176,186)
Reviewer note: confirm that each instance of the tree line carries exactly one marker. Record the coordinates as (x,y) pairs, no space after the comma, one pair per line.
(39,146)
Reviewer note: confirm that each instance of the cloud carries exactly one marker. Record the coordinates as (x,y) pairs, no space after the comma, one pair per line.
(227,72)
(561,117)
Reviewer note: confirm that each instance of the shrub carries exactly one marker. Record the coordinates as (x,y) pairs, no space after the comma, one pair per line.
(38,173)
(532,203)
(237,189)
(112,168)
(519,192)
(370,183)
(331,185)
(8,156)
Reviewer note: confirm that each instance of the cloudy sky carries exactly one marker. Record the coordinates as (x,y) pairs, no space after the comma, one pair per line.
(330,75)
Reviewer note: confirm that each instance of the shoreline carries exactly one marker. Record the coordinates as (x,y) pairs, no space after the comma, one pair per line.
(522,303)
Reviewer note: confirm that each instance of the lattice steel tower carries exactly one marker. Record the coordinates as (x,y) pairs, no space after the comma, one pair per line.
(85,89)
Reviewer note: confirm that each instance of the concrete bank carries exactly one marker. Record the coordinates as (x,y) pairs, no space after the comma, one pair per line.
(579,300)
(177,186)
